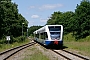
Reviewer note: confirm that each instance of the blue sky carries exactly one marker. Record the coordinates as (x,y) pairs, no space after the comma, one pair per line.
(37,12)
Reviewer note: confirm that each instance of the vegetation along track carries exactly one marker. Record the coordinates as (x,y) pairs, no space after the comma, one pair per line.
(69,55)
(8,53)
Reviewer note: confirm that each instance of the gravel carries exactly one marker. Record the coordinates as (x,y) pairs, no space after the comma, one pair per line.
(29,51)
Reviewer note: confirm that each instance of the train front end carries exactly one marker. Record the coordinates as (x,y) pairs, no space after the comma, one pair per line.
(55,35)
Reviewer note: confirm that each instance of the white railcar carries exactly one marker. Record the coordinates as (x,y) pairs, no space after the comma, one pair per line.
(50,35)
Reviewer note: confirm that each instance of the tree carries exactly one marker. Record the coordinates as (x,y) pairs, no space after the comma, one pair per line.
(60,18)
(33,28)
(55,18)
(67,19)
(82,19)
(10,20)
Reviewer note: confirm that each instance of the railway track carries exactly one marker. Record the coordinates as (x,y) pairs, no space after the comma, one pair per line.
(8,53)
(69,55)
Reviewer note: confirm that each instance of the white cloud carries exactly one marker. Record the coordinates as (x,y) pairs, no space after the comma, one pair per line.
(32,7)
(31,22)
(43,20)
(34,16)
(26,13)
(48,6)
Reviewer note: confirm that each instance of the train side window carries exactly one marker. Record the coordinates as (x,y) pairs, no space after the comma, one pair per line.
(37,35)
(41,35)
(46,36)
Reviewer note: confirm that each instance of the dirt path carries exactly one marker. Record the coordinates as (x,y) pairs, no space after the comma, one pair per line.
(28,52)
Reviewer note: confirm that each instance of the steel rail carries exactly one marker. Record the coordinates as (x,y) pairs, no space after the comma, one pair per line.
(61,55)
(76,55)
(8,53)
(68,58)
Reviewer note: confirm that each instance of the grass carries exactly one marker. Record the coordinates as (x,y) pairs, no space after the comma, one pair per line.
(38,56)
(35,55)
(4,47)
(82,45)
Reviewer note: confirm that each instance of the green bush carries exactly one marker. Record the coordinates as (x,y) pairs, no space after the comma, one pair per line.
(2,41)
(19,39)
(12,40)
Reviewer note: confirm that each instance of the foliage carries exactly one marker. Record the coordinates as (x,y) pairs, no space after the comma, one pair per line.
(10,20)
(5,46)
(32,29)
(65,19)
(19,39)
(13,40)
(81,45)
(55,18)
(82,19)
(76,22)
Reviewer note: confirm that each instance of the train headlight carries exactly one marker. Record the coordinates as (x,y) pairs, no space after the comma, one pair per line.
(57,38)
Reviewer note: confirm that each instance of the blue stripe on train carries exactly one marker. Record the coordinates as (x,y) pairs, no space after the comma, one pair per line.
(47,42)
(52,42)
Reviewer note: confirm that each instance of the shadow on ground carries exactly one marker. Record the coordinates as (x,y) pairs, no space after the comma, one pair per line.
(55,47)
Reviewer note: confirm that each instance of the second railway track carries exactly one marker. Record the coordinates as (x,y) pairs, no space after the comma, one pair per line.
(6,54)
(69,55)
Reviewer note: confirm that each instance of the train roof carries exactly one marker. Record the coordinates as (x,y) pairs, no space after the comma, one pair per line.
(44,29)
(40,30)
(53,25)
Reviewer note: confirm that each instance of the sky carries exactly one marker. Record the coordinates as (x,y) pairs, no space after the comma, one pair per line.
(37,12)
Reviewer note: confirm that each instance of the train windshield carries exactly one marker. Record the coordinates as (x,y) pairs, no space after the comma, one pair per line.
(55,32)
(55,28)
(55,35)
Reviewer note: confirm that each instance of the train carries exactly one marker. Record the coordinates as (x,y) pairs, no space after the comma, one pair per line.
(49,35)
